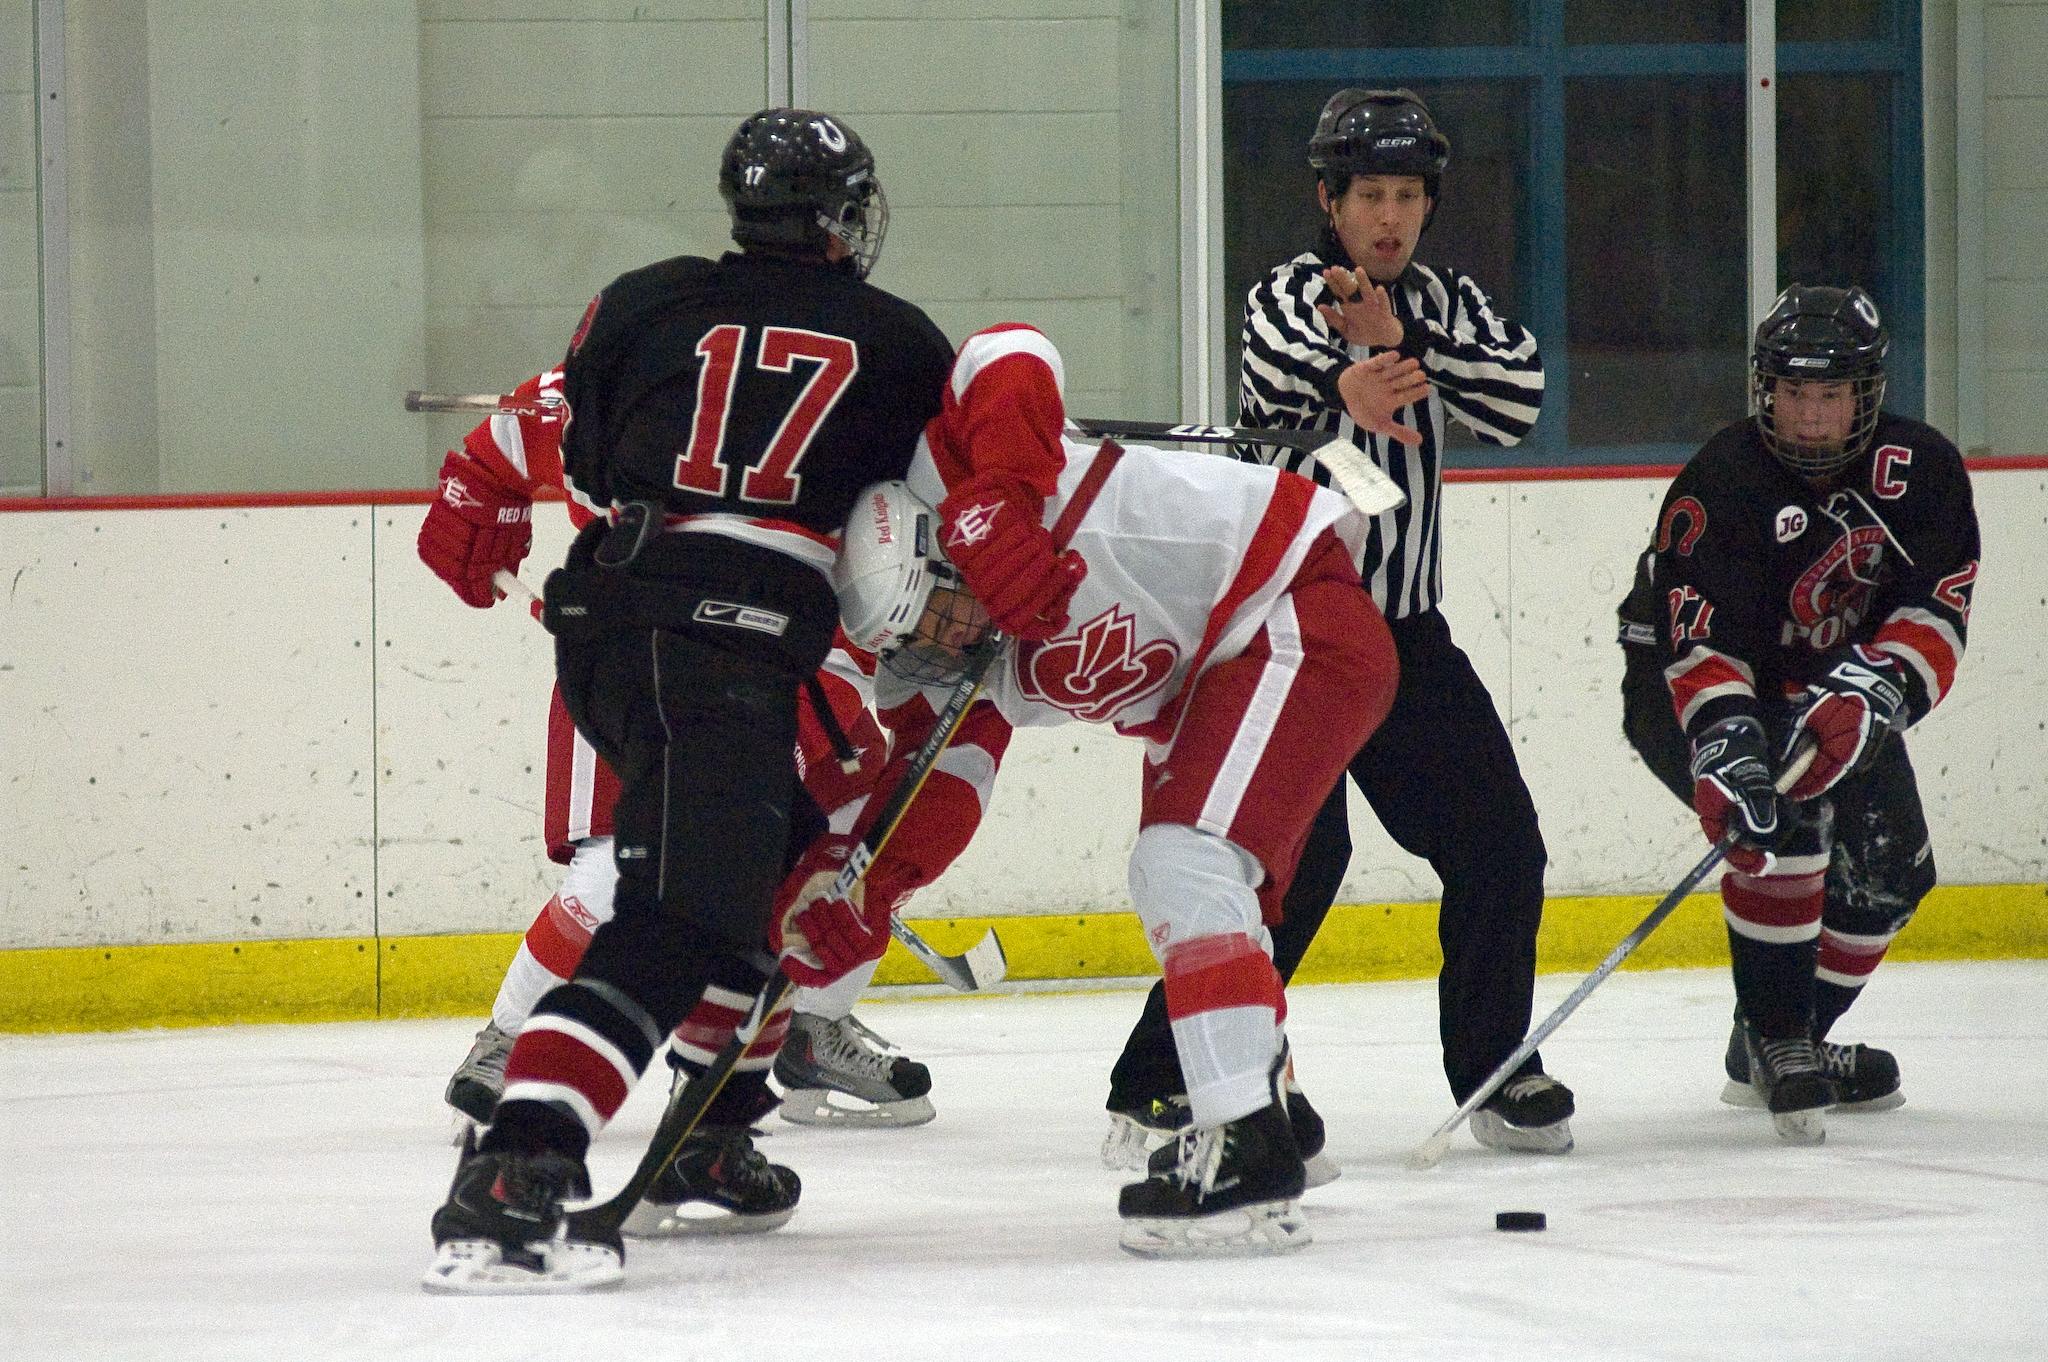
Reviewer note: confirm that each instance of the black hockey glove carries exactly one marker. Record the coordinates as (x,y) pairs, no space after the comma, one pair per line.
(1732,791)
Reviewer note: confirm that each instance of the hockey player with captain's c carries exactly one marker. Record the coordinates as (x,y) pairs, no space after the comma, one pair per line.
(1809,581)
(1206,606)
(726,414)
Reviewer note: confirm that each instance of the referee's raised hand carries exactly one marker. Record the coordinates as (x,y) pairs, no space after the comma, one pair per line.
(1375,390)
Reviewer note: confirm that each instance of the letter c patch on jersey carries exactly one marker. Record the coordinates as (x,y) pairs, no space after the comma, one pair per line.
(1696,514)
(1888,471)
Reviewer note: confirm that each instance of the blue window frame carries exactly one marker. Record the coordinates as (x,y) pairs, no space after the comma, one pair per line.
(1597,191)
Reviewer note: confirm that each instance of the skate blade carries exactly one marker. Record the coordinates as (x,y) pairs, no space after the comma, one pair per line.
(1743,1095)
(816,1107)
(1322,1170)
(477,1267)
(1891,1101)
(1493,1131)
(1129,1145)
(1260,1230)
(697,1220)
(1808,1127)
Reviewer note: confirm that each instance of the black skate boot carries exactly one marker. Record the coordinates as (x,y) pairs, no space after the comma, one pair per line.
(1232,1190)
(1866,1078)
(824,1062)
(1319,1168)
(1795,1087)
(1141,1128)
(1531,1114)
(718,1184)
(503,1229)
(474,1088)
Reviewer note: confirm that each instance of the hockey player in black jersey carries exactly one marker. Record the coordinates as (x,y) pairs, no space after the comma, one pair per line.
(1440,772)
(723,416)
(1809,581)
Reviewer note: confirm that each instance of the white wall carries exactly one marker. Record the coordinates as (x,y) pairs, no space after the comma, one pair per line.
(274,723)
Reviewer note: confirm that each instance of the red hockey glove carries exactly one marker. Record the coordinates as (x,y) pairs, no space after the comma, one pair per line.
(473,529)
(1733,791)
(1862,696)
(991,533)
(821,938)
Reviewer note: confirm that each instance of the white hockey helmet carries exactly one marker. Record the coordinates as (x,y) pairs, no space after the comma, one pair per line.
(900,597)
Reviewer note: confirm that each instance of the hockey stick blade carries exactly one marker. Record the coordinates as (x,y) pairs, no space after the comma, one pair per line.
(1357,477)
(490,404)
(1432,1150)
(983,965)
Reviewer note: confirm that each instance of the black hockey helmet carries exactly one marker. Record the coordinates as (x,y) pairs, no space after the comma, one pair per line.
(795,178)
(1819,335)
(1378,132)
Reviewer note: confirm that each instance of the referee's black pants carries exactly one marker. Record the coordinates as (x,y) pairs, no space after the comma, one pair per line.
(1441,776)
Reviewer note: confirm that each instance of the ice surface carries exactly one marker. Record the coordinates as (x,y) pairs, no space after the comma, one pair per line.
(263,1193)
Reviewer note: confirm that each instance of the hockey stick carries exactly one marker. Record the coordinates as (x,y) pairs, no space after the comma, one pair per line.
(489,404)
(1432,1149)
(687,1104)
(1357,477)
(983,965)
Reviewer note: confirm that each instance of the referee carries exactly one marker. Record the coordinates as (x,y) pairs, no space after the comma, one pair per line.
(1439,773)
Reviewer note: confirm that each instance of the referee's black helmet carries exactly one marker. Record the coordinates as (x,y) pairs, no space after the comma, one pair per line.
(1378,132)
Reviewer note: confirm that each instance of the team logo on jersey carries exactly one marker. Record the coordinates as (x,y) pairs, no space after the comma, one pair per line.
(1833,595)
(972,525)
(1098,669)
(1791,523)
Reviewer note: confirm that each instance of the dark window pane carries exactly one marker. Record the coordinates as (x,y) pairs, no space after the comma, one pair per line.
(1592,22)
(1656,258)
(1256,24)
(1830,21)
(1269,194)
(1834,181)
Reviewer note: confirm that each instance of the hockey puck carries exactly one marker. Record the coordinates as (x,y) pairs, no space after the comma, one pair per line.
(1520,1220)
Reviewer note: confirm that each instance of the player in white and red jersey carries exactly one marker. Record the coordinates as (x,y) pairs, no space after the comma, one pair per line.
(1210,608)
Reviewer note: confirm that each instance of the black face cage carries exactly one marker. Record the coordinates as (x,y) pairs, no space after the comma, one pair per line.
(920,657)
(861,224)
(1815,461)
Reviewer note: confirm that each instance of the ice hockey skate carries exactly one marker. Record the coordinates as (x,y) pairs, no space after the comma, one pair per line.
(1138,1130)
(1319,1169)
(717,1184)
(1230,1190)
(474,1088)
(1866,1079)
(503,1230)
(1531,1114)
(1794,1085)
(839,1073)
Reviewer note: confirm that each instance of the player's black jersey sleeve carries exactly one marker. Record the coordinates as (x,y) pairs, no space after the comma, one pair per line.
(748,386)
(1755,582)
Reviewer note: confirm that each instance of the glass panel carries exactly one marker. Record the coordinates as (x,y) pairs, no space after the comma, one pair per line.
(21,340)
(1834,182)
(1656,258)
(1253,24)
(1830,21)
(1632,21)
(1269,197)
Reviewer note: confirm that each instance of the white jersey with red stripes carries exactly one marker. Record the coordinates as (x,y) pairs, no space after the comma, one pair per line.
(1186,553)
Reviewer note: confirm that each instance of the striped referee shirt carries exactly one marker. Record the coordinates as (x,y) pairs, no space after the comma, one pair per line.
(1482,368)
